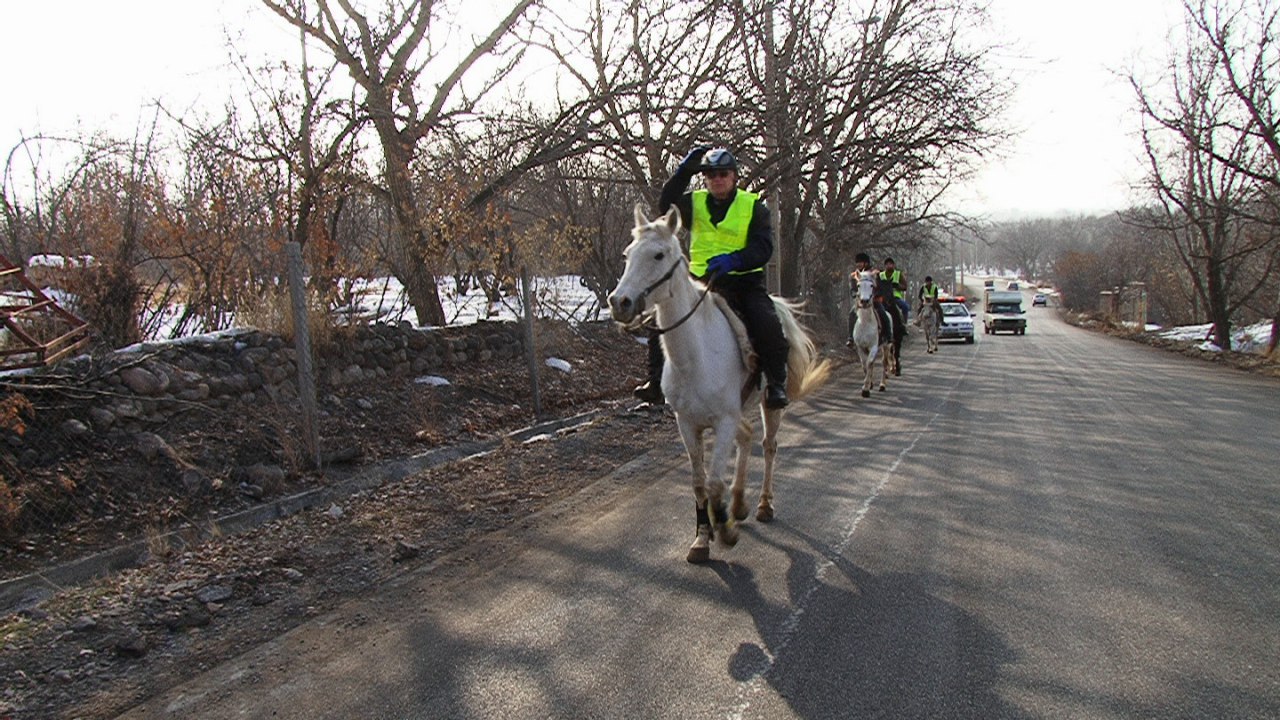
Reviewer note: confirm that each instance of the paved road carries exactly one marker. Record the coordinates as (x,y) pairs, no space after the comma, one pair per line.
(1058,525)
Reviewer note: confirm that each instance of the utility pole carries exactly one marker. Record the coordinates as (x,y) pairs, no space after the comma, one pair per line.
(772,143)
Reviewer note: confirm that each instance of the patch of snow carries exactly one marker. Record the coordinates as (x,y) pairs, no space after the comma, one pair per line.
(538,438)
(58,261)
(558,364)
(1250,339)
(432,380)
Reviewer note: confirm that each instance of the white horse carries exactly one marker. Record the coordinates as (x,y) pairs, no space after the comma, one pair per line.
(929,316)
(708,379)
(867,339)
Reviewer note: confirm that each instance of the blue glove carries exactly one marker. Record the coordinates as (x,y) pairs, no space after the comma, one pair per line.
(723,264)
(693,161)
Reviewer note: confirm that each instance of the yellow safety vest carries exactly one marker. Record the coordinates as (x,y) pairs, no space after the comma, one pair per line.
(707,240)
(895,278)
(930,291)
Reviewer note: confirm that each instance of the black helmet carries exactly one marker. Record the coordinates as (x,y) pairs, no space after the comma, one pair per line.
(862,257)
(719,159)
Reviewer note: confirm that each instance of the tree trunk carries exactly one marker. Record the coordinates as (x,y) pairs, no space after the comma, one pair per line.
(1218,307)
(415,271)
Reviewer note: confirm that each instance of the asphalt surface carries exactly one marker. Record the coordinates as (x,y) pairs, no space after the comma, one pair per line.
(1055,525)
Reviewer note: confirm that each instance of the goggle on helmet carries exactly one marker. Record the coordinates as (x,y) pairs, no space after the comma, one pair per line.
(719,159)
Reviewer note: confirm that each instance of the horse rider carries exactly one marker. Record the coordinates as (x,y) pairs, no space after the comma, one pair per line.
(928,291)
(881,295)
(899,281)
(730,240)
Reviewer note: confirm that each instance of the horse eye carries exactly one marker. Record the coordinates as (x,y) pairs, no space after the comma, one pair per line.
(659,256)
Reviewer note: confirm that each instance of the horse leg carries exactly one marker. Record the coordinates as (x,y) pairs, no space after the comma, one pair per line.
(897,355)
(887,351)
(700,550)
(738,503)
(868,370)
(772,421)
(724,433)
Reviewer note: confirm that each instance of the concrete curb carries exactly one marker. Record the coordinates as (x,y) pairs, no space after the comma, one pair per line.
(28,590)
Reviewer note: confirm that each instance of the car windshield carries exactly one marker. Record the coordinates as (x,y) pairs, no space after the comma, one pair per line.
(954,310)
(1003,308)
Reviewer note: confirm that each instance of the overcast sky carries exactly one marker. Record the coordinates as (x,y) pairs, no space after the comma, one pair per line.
(93,64)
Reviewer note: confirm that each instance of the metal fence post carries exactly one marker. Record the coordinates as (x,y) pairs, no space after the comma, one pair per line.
(302,343)
(530,351)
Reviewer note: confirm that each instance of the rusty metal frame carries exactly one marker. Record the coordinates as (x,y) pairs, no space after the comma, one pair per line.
(38,354)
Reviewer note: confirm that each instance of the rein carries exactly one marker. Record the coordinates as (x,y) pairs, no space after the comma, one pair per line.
(644,321)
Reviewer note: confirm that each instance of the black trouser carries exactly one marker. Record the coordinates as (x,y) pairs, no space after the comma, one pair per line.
(892,310)
(748,297)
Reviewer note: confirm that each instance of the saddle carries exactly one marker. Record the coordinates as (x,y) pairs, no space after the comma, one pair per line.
(748,353)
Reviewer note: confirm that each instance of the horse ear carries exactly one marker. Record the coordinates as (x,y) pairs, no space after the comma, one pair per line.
(673,219)
(640,215)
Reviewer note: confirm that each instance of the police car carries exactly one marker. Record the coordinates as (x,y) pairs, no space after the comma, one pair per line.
(957,321)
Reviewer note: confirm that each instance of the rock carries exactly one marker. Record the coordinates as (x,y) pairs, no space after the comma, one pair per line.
(405,551)
(262,475)
(193,481)
(141,381)
(188,616)
(179,587)
(84,623)
(194,393)
(250,490)
(152,447)
(101,418)
(334,512)
(131,644)
(364,404)
(214,594)
(74,428)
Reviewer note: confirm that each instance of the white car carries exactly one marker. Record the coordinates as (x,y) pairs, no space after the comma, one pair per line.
(957,322)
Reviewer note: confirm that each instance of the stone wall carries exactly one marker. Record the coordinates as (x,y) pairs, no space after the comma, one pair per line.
(147,383)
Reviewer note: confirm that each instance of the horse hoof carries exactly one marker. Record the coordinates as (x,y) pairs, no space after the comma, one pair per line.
(866,393)
(728,535)
(882,388)
(739,512)
(698,555)
(764,514)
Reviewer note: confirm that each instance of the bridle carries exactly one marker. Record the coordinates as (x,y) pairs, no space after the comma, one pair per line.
(868,301)
(645,320)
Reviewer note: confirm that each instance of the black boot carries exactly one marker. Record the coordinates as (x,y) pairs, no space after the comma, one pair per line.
(650,392)
(775,397)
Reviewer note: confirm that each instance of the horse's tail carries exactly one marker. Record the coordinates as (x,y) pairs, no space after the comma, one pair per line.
(806,372)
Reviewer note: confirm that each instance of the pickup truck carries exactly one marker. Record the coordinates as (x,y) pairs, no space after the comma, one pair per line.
(1002,310)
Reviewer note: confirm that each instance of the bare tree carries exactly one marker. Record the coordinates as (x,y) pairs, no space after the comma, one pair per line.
(878,110)
(1200,144)
(390,58)
(302,140)
(1246,50)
